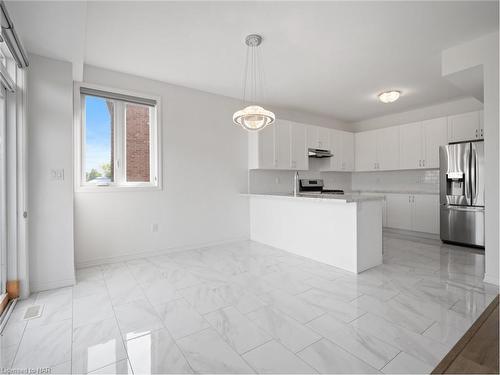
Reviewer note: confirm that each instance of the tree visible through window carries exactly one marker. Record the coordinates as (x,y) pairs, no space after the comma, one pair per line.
(99,124)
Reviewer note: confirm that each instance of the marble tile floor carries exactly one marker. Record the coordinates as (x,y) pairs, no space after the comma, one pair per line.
(249,308)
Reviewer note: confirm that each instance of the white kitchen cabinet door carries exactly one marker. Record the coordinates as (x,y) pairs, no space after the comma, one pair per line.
(323,138)
(434,135)
(336,149)
(365,146)
(347,163)
(266,148)
(481,124)
(398,211)
(282,144)
(299,156)
(426,213)
(388,148)
(464,127)
(411,146)
(312,136)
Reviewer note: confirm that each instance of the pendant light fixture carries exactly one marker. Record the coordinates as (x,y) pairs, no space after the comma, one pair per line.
(253,117)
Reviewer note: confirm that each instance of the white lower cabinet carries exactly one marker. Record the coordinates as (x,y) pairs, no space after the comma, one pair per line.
(426,213)
(415,212)
(399,211)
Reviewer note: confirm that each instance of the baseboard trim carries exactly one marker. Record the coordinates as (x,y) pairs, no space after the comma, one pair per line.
(412,234)
(48,285)
(494,280)
(150,253)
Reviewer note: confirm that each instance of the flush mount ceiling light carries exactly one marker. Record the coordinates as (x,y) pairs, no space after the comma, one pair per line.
(253,117)
(389,96)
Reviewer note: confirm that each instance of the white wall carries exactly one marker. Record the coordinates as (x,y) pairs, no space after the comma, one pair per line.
(484,52)
(50,124)
(453,107)
(204,172)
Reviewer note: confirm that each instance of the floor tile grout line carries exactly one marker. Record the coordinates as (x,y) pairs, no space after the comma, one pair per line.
(124,343)
(22,336)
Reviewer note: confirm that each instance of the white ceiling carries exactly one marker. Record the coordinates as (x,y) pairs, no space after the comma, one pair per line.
(329,58)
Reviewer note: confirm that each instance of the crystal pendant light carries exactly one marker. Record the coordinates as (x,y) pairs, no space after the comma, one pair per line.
(253,117)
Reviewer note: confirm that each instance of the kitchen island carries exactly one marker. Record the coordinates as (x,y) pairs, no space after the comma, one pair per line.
(344,231)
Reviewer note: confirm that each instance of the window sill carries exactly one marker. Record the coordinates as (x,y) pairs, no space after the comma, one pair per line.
(116,189)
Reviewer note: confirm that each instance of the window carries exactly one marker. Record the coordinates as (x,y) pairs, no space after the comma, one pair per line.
(117,139)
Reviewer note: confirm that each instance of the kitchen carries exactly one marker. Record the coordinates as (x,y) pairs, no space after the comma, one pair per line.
(412,149)
(249,187)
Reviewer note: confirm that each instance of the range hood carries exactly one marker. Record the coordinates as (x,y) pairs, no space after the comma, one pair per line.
(319,153)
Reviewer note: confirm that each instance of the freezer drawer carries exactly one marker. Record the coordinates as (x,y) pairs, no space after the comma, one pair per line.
(464,225)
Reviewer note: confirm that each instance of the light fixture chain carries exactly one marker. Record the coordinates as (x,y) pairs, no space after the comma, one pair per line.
(245,76)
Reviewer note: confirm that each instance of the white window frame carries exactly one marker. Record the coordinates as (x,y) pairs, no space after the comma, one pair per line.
(119,182)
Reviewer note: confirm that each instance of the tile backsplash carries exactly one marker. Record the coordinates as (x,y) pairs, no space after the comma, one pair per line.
(269,181)
(273,181)
(425,181)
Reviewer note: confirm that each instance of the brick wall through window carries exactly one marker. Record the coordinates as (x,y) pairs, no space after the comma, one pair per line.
(137,143)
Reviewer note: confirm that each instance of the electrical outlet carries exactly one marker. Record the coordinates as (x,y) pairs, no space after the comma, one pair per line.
(154,228)
(57,174)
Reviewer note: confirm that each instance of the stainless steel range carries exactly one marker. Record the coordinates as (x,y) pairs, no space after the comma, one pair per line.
(315,186)
(461,190)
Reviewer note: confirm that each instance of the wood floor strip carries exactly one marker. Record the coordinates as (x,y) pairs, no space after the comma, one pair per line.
(477,350)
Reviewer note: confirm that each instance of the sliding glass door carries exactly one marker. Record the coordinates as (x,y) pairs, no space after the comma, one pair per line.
(3,191)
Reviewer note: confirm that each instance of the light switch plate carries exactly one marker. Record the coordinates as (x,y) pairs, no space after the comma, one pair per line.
(57,174)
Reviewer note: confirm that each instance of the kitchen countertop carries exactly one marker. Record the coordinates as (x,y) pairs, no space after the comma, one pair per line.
(415,192)
(335,198)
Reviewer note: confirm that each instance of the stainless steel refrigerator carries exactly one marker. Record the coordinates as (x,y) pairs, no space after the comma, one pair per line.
(461,188)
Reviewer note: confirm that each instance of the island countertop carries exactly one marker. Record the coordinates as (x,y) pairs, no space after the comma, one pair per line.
(334,198)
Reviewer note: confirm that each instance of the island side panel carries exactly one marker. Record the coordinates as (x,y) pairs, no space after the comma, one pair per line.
(369,234)
(313,228)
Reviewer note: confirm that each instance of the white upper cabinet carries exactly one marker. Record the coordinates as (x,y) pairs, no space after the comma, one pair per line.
(388,148)
(347,162)
(377,149)
(434,135)
(323,138)
(420,143)
(465,127)
(366,150)
(318,137)
(282,144)
(336,149)
(299,155)
(342,147)
(411,147)
(261,149)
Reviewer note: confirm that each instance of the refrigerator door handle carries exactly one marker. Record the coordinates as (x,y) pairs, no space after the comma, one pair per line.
(467,175)
(473,176)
